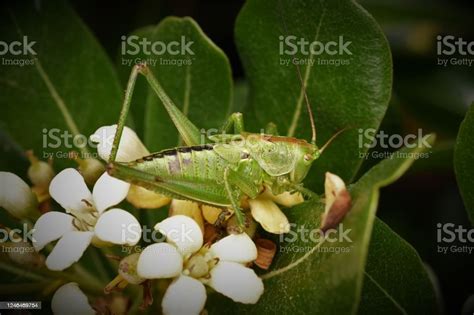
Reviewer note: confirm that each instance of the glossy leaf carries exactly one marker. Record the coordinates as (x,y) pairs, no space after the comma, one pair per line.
(70,89)
(353,94)
(395,279)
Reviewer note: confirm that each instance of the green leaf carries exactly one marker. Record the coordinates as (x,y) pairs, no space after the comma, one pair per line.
(395,277)
(325,277)
(463,158)
(201,85)
(354,95)
(71,87)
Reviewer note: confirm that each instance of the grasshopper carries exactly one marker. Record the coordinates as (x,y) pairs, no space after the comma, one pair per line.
(223,170)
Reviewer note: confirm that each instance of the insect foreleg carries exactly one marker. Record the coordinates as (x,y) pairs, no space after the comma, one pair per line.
(235,121)
(124,112)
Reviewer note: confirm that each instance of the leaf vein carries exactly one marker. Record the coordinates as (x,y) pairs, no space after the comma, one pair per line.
(386,293)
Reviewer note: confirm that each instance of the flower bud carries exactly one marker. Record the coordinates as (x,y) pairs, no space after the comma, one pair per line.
(143,198)
(40,172)
(16,197)
(338,201)
(91,169)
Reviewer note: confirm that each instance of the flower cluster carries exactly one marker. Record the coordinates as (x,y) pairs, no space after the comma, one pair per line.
(194,253)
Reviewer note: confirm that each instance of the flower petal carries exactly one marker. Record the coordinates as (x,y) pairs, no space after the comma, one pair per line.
(183,232)
(235,247)
(50,227)
(158,261)
(109,191)
(237,282)
(119,227)
(69,299)
(69,189)
(68,250)
(269,215)
(16,196)
(286,199)
(143,198)
(130,147)
(185,295)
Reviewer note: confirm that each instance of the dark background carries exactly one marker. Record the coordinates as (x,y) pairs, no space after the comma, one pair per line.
(425,96)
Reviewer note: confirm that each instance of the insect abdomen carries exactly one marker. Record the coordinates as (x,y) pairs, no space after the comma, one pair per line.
(194,163)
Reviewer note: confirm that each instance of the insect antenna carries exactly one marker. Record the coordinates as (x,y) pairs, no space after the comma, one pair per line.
(308,106)
(300,77)
(334,136)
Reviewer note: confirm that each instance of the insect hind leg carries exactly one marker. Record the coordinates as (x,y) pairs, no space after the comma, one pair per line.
(188,131)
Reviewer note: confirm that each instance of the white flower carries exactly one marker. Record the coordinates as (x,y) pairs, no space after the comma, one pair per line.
(183,258)
(16,196)
(70,300)
(130,149)
(87,220)
(265,210)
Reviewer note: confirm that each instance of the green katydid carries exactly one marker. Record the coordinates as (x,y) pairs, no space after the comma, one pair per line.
(224,169)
